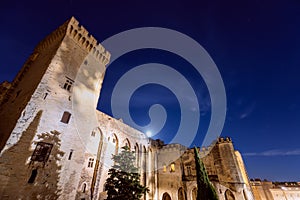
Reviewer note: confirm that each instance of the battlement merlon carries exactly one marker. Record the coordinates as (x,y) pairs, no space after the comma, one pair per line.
(87,41)
(224,140)
(81,36)
(75,31)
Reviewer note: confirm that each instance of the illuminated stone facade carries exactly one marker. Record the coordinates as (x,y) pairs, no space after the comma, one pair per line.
(266,190)
(56,145)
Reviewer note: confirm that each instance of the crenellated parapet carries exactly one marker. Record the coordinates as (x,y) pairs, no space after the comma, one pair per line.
(52,38)
(73,29)
(224,140)
(87,41)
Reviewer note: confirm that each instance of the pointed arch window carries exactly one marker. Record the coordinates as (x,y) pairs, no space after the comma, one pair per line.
(172,167)
(83,189)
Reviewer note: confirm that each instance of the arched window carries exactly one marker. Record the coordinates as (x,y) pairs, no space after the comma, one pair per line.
(83,189)
(164,168)
(126,143)
(229,195)
(172,167)
(166,196)
(181,194)
(144,165)
(116,143)
(137,154)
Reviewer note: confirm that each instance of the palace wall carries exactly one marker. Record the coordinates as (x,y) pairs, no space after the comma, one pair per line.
(56,145)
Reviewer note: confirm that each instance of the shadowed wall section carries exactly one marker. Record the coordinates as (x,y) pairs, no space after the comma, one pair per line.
(27,179)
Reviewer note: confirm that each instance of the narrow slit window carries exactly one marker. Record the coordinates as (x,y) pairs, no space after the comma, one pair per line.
(189,170)
(91,162)
(93,133)
(70,154)
(66,117)
(33,176)
(46,94)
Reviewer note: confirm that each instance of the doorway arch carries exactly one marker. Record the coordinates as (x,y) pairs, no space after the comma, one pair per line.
(181,194)
(166,196)
(229,195)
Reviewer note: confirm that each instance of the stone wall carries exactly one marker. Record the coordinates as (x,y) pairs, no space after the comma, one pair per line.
(223,164)
(48,83)
(267,190)
(56,145)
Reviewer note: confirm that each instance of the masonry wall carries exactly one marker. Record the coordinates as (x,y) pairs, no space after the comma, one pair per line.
(267,190)
(116,135)
(223,164)
(39,95)
(16,95)
(56,145)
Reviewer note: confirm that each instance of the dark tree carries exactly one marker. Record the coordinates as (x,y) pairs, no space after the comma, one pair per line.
(206,190)
(124,180)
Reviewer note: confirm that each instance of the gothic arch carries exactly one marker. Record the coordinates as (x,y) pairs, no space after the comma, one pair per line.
(84,187)
(137,154)
(181,194)
(144,164)
(99,152)
(166,196)
(100,145)
(150,159)
(126,143)
(115,141)
(229,195)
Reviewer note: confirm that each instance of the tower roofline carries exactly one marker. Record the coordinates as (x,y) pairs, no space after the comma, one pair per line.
(86,40)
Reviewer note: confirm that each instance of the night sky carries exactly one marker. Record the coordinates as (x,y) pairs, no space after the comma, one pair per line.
(255,45)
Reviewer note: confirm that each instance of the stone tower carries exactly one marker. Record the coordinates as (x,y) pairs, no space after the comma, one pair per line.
(46,112)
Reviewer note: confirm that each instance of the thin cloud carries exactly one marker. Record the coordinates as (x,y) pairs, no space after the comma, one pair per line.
(247,111)
(276,152)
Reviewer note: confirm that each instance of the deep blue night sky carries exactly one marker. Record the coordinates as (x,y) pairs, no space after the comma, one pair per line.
(255,45)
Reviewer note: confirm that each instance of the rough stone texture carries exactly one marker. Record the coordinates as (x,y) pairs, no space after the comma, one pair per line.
(63,77)
(224,166)
(266,190)
(40,86)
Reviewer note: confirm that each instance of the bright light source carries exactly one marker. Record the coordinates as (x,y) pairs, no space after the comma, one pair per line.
(148,133)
